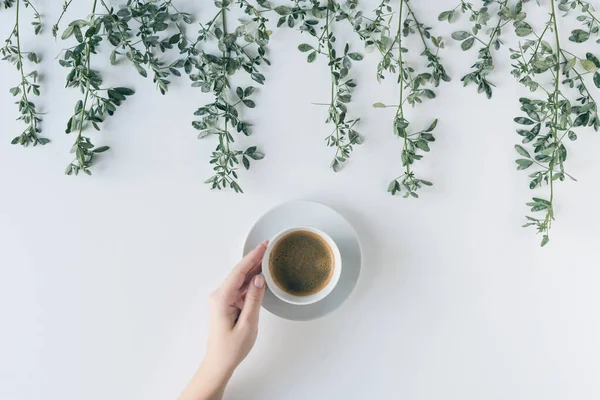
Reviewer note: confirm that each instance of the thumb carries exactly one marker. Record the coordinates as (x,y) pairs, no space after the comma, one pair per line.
(254,298)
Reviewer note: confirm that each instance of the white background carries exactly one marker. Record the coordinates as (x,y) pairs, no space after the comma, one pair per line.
(104,279)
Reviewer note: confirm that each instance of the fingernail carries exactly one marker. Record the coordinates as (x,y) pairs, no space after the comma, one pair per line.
(259,281)
(265,243)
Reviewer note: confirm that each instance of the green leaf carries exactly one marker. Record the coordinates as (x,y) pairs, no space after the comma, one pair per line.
(257,155)
(460,35)
(540,66)
(444,16)
(548,151)
(523,163)
(581,120)
(547,47)
(534,183)
(588,65)
(311,57)
(67,32)
(579,36)
(523,31)
(305,47)
(432,126)
(100,149)
(421,144)
(77,32)
(236,187)
(597,79)
(570,64)
(283,10)
(393,187)
(355,56)
(523,121)
(401,123)
(335,165)
(593,58)
(545,240)
(453,16)
(113,94)
(249,103)
(467,44)
(125,91)
(521,150)
(562,153)
(141,70)
(33,58)
(379,105)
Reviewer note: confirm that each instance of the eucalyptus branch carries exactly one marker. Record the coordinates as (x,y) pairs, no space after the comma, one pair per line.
(28,85)
(491,23)
(550,120)
(212,73)
(310,15)
(94,108)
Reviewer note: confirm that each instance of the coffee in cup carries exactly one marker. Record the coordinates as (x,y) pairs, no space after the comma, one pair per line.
(302,265)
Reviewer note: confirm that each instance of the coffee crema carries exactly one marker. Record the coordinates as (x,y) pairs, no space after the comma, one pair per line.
(301,263)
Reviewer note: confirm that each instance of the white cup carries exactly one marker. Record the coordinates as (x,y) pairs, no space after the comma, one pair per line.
(312,298)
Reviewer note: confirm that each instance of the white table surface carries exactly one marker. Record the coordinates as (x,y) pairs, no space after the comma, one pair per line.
(104,280)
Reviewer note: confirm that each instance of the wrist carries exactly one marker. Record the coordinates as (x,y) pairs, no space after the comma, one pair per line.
(208,383)
(214,375)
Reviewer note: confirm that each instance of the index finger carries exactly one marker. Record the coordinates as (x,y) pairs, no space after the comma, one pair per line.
(236,278)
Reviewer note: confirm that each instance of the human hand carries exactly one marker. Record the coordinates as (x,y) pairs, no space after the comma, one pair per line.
(234,311)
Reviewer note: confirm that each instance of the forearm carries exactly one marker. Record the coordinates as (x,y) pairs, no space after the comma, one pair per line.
(208,383)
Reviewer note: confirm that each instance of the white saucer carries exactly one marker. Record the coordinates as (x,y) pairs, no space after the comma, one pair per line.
(306,213)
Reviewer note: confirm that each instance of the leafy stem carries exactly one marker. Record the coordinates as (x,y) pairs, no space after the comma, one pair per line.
(496,31)
(225,52)
(332,109)
(24,83)
(417,23)
(479,19)
(87,89)
(13,52)
(413,86)
(343,137)
(154,22)
(550,213)
(547,122)
(212,73)
(400,110)
(65,7)
(92,110)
